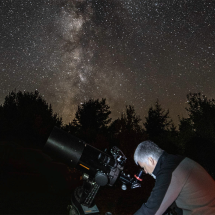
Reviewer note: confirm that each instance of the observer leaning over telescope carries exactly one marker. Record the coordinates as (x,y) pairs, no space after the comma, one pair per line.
(178,179)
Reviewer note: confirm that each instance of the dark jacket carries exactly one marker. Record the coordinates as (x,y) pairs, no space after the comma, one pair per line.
(183,181)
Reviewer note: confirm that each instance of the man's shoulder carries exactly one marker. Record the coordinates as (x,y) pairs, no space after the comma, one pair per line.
(171,162)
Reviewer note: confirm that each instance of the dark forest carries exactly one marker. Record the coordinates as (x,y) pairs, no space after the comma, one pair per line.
(33,183)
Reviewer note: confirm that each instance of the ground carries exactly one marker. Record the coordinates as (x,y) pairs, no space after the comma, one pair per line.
(37,197)
(31,183)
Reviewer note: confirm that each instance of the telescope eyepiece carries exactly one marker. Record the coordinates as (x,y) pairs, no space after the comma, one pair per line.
(139,175)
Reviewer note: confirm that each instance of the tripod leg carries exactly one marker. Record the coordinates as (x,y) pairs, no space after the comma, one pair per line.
(73,210)
(76,208)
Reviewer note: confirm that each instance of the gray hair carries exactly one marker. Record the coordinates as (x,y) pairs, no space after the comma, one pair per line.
(147,149)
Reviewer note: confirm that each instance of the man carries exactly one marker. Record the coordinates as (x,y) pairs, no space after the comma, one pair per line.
(178,179)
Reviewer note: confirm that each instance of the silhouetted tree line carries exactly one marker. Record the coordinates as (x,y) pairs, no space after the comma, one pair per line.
(28,119)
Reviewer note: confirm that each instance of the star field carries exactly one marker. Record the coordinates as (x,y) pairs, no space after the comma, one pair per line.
(128,51)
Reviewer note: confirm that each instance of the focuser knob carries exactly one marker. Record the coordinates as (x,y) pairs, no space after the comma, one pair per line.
(101,178)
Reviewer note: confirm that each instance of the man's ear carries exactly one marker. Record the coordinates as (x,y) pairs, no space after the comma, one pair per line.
(151,161)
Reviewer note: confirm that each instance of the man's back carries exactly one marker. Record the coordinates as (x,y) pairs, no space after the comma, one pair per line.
(196,190)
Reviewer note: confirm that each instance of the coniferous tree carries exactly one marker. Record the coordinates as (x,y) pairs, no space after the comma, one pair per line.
(92,114)
(157,121)
(201,113)
(91,121)
(28,117)
(127,132)
(160,128)
(197,131)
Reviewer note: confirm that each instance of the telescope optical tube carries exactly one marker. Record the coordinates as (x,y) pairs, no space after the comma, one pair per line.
(76,153)
(64,147)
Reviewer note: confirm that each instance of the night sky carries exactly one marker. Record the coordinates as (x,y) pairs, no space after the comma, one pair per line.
(131,52)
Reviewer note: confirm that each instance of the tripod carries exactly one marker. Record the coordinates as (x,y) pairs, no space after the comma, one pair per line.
(82,199)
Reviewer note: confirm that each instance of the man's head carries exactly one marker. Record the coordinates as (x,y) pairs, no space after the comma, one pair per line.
(146,155)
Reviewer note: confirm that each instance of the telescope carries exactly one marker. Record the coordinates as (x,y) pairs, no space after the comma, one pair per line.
(98,168)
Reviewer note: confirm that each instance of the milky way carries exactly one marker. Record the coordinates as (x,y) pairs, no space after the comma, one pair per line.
(131,52)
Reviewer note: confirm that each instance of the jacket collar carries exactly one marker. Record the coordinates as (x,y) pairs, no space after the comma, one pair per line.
(160,162)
